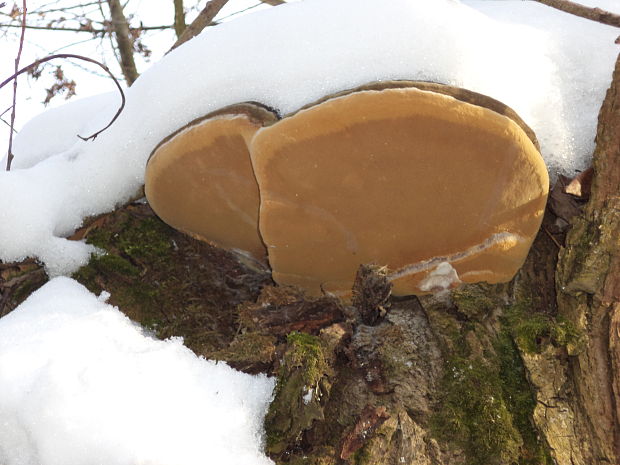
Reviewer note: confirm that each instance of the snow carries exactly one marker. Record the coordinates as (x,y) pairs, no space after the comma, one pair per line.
(442,278)
(44,137)
(551,67)
(81,384)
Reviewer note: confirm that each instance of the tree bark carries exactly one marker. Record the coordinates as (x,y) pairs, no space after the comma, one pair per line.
(123,41)
(589,287)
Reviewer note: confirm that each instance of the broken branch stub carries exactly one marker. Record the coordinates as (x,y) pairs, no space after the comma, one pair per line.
(439,184)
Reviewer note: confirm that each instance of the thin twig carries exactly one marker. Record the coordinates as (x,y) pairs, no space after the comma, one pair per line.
(593,14)
(9,157)
(78,57)
(90,31)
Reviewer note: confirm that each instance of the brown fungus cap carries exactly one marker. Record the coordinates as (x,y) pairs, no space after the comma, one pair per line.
(440,186)
(200,179)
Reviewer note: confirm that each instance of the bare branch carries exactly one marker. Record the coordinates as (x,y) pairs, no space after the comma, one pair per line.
(89,30)
(204,19)
(124,41)
(9,157)
(179,18)
(78,57)
(64,9)
(594,14)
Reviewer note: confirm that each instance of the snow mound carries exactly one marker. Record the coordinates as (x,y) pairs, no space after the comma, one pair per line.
(81,384)
(56,130)
(551,67)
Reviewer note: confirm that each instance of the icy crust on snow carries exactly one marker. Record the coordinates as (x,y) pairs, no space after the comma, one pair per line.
(292,55)
(81,384)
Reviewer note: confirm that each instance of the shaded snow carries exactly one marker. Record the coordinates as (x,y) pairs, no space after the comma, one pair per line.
(552,68)
(80,384)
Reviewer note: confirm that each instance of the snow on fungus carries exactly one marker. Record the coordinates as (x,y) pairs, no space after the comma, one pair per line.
(437,183)
(200,179)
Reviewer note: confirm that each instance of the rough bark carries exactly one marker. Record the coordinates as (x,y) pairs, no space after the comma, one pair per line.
(588,280)
(123,41)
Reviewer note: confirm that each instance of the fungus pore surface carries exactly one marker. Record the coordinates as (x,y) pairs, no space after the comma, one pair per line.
(440,184)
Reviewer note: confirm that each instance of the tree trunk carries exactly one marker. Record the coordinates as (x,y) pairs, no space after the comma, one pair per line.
(588,280)
(179,18)
(124,41)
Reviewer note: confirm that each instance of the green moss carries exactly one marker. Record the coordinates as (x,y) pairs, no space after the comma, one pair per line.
(473,414)
(100,237)
(532,331)
(131,247)
(248,348)
(104,265)
(320,456)
(361,456)
(519,400)
(149,239)
(28,287)
(306,352)
(301,390)
(473,300)
(485,401)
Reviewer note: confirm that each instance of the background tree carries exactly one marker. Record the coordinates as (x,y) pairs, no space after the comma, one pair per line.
(114,29)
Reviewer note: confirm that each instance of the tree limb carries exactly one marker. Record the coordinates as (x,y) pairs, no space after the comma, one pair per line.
(594,14)
(179,18)
(205,18)
(273,2)
(124,41)
(89,30)
(79,57)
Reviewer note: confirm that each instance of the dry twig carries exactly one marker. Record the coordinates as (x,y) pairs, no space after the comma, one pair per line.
(9,157)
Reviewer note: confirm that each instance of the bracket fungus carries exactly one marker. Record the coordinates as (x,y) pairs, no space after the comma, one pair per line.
(200,179)
(440,184)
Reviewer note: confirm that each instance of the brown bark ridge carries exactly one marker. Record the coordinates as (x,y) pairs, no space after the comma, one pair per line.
(594,14)
(123,41)
(179,18)
(204,19)
(588,285)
